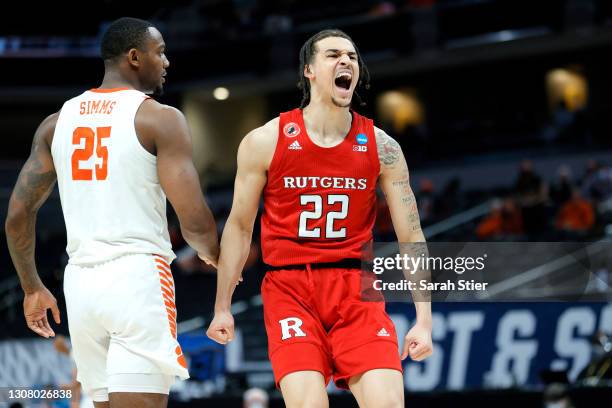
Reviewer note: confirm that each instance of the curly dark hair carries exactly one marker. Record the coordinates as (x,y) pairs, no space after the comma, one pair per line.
(308,51)
(122,35)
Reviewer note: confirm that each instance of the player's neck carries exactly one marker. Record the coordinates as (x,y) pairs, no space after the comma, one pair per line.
(327,122)
(113,79)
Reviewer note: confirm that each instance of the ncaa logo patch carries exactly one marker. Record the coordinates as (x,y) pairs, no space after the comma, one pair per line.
(291,129)
(362,139)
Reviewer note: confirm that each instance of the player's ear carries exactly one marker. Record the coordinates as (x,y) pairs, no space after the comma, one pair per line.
(308,71)
(133,57)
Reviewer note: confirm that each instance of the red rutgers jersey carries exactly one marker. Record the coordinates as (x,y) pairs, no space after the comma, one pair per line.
(319,202)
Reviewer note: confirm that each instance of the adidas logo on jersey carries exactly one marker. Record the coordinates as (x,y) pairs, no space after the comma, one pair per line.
(295,146)
(383,333)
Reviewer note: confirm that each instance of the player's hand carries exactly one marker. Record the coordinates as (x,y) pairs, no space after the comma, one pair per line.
(35,306)
(209,260)
(221,329)
(417,343)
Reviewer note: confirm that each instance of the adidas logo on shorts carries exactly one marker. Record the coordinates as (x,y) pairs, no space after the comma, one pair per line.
(383,333)
(295,146)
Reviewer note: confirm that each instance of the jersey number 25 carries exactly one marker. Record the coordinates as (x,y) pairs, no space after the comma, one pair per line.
(84,153)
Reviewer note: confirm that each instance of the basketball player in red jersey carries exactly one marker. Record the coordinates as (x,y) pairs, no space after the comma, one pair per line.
(116,154)
(317,168)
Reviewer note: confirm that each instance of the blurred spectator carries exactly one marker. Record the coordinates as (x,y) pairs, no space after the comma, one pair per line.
(528,184)
(60,343)
(592,166)
(503,221)
(576,215)
(598,184)
(561,190)
(600,366)
(449,201)
(561,124)
(556,396)
(382,8)
(531,194)
(255,398)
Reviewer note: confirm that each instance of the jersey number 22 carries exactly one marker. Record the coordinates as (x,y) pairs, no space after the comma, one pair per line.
(317,200)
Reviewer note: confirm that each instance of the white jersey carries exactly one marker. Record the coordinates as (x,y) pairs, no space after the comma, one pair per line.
(112,201)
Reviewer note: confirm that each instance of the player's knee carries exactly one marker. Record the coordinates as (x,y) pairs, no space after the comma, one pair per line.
(388,400)
(311,403)
(308,401)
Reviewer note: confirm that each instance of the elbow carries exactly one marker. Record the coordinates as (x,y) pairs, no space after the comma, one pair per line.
(243,228)
(411,236)
(198,226)
(14,224)
(10,226)
(198,233)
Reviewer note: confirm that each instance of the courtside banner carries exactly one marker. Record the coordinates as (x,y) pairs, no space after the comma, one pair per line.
(487,271)
(503,345)
(33,363)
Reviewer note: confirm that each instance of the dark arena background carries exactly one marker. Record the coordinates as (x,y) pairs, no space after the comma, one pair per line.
(503,110)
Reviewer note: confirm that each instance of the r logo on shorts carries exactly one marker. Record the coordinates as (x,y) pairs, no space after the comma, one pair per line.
(291,323)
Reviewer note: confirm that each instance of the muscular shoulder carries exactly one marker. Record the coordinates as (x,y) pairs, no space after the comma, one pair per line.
(263,136)
(156,123)
(46,129)
(259,144)
(155,115)
(389,151)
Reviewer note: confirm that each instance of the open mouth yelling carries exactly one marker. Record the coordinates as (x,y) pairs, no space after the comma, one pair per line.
(343,82)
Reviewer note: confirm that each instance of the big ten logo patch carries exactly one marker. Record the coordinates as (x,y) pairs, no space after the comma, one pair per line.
(290,327)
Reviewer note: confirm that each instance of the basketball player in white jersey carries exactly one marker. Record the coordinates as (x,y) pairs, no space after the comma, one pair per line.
(116,154)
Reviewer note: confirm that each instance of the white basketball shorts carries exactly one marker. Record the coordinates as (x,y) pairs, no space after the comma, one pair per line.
(122,321)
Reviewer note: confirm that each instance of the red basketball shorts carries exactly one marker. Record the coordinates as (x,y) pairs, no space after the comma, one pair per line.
(316,321)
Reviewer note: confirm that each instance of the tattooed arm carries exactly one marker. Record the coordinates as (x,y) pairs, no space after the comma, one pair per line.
(34,184)
(395,184)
